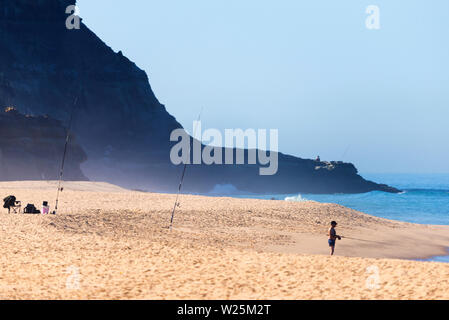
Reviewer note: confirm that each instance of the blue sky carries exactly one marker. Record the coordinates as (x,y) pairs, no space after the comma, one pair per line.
(377,98)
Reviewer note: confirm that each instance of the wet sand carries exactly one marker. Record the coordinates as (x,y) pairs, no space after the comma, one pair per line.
(110,243)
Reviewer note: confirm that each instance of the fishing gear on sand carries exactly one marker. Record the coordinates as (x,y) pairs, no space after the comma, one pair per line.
(61,171)
(177,203)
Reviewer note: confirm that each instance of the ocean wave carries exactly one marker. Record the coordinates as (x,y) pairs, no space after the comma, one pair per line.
(297,198)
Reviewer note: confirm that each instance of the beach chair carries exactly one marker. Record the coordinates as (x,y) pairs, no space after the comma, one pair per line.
(17,207)
(11,202)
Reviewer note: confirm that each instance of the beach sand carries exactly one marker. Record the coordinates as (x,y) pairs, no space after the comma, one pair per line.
(110,243)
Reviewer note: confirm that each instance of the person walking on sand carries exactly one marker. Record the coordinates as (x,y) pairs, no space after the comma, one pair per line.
(333,236)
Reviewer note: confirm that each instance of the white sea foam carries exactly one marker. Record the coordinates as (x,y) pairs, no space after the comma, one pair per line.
(297,198)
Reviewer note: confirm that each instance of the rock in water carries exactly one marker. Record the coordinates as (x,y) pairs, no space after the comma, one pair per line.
(120,124)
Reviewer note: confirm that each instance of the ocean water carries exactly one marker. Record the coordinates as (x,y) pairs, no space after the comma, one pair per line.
(425,199)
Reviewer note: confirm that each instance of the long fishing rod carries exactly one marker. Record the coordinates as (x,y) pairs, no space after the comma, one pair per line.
(344,237)
(61,172)
(183,175)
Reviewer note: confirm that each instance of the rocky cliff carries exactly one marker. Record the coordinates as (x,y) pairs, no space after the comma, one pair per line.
(119,122)
(31,148)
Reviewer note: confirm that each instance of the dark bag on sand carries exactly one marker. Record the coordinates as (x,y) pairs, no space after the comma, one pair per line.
(31,209)
(9,201)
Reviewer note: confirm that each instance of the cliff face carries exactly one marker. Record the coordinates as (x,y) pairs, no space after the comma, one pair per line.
(31,149)
(120,124)
(44,67)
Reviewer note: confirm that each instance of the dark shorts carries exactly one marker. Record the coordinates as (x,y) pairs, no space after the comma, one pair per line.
(331,243)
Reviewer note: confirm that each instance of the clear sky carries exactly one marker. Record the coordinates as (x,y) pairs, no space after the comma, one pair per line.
(377,98)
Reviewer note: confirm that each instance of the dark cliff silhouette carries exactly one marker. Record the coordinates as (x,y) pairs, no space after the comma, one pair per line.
(119,122)
(30,148)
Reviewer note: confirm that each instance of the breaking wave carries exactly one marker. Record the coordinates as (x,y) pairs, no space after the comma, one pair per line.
(297,198)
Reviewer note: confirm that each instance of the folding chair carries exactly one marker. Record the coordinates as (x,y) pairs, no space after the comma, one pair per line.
(17,207)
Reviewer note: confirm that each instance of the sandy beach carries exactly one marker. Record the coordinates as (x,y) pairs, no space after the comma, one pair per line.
(110,243)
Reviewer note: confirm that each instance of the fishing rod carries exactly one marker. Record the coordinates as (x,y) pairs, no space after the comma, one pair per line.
(183,175)
(344,237)
(61,172)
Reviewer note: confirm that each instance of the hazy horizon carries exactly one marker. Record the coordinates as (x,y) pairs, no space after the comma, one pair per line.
(376,98)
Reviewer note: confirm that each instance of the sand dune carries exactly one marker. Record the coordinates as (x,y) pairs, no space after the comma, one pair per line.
(111,243)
